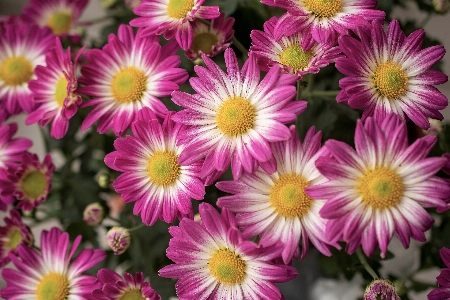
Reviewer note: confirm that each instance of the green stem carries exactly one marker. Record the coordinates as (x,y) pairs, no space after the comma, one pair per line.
(362,259)
(240,47)
(136,227)
(425,21)
(325,94)
(299,89)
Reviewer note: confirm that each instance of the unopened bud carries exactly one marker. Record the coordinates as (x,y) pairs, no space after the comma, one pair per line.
(441,6)
(435,127)
(381,289)
(118,239)
(104,180)
(93,214)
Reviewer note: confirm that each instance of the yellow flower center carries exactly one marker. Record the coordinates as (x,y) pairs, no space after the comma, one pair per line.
(288,196)
(381,188)
(163,168)
(204,41)
(227,267)
(235,116)
(61,91)
(34,184)
(129,85)
(390,80)
(178,9)
(323,8)
(132,294)
(53,286)
(14,238)
(295,57)
(60,22)
(16,70)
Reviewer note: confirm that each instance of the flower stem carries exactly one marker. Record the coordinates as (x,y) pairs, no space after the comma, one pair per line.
(136,227)
(240,47)
(363,261)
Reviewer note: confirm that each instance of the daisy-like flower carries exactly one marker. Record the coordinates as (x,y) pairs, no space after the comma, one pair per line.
(389,73)
(28,182)
(381,289)
(173,18)
(234,116)
(22,48)
(297,54)
(212,39)
(152,176)
(443,291)
(382,188)
(54,91)
(127,75)
(325,20)
(213,261)
(114,287)
(59,15)
(12,235)
(51,273)
(275,206)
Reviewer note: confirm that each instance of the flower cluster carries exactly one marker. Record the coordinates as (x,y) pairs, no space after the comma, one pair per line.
(221,132)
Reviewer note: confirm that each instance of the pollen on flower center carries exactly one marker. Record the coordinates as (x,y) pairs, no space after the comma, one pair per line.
(163,168)
(129,85)
(34,184)
(381,188)
(288,196)
(227,267)
(295,57)
(60,22)
(323,8)
(16,70)
(61,91)
(390,80)
(132,294)
(14,238)
(235,116)
(53,286)
(178,9)
(204,41)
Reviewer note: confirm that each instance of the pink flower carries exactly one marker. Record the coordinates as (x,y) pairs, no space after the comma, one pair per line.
(213,261)
(381,189)
(52,272)
(173,18)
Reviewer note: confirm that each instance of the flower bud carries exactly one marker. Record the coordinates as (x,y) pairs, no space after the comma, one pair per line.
(380,289)
(435,127)
(93,214)
(118,239)
(441,6)
(103,180)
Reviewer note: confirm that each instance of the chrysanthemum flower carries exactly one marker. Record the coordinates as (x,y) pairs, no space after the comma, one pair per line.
(51,273)
(127,75)
(54,91)
(213,261)
(173,18)
(275,207)
(324,20)
(152,176)
(212,39)
(59,15)
(382,188)
(297,54)
(389,73)
(234,116)
(443,291)
(12,235)
(22,48)
(381,289)
(114,287)
(28,182)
